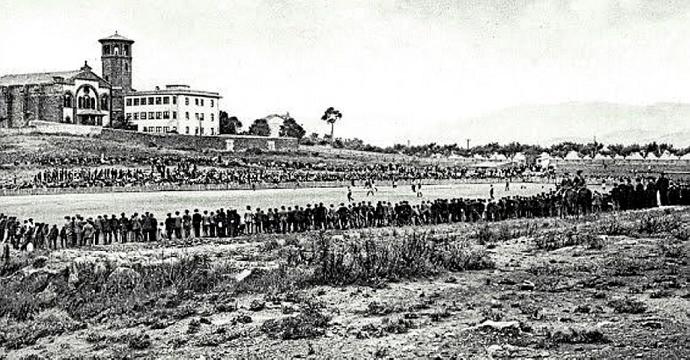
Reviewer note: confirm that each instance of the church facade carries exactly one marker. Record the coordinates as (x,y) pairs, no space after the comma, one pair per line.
(74,97)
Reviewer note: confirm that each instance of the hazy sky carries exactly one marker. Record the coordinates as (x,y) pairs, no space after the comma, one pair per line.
(398,70)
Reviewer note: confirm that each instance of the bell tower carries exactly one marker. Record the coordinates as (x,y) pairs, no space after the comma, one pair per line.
(116,58)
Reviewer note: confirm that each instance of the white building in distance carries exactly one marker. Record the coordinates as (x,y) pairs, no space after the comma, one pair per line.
(176,109)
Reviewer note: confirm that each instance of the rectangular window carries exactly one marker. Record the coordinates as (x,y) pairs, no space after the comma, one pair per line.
(174,100)
(166,129)
(202,102)
(202,131)
(151,114)
(196,101)
(166,100)
(213,131)
(158,100)
(143,129)
(201,116)
(196,115)
(159,115)
(151,100)
(212,117)
(136,116)
(158,129)
(129,102)
(136,102)
(196,131)
(186,100)
(129,116)
(186,115)
(186,131)
(143,116)
(212,102)
(166,114)
(174,114)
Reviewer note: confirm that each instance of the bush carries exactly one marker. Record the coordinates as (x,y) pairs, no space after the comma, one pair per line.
(47,323)
(556,240)
(578,336)
(310,323)
(628,306)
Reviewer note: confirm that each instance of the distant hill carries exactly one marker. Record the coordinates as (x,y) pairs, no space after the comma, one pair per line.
(580,122)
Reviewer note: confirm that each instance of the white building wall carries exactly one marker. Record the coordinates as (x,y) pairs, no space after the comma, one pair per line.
(192,117)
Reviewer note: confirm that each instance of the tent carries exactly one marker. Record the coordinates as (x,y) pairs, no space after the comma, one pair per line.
(599,156)
(652,156)
(498,157)
(619,157)
(478,157)
(668,156)
(545,155)
(573,155)
(635,156)
(519,157)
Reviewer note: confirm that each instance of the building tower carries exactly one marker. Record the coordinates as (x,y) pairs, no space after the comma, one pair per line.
(116,57)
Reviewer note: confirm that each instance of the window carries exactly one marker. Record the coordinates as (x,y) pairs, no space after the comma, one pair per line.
(212,102)
(202,102)
(136,116)
(158,129)
(201,131)
(165,129)
(104,102)
(116,50)
(151,100)
(201,116)
(68,100)
(196,101)
(174,114)
(196,115)
(186,131)
(151,115)
(174,100)
(158,100)
(196,130)
(136,102)
(159,115)
(126,67)
(143,129)
(186,115)
(143,116)
(125,50)
(186,100)
(129,102)
(166,114)
(166,100)
(106,49)
(212,117)
(213,132)
(129,116)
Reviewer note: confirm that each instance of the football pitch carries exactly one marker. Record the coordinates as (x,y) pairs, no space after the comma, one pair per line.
(53,208)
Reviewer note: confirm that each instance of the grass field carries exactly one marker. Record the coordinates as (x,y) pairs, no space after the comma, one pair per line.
(53,208)
(608,287)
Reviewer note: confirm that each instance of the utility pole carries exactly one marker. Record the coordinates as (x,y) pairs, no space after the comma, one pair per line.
(468,144)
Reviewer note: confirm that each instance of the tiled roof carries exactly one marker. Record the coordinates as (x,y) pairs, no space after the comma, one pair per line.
(116,36)
(36,78)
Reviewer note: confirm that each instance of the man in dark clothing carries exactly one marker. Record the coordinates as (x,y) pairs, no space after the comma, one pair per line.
(169,226)
(196,223)
(662,187)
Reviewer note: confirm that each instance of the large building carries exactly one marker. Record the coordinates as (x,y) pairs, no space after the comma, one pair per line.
(116,59)
(175,109)
(75,97)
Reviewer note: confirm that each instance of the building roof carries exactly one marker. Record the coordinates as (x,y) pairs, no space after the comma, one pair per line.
(36,78)
(175,91)
(116,37)
(84,73)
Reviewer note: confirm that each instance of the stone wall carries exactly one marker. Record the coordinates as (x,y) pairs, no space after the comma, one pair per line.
(188,142)
(21,104)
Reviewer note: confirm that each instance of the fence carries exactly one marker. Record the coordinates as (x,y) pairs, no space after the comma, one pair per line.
(258,186)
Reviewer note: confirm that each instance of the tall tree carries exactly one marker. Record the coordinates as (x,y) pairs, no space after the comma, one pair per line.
(330,116)
(260,127)
(228,124)
(291,128)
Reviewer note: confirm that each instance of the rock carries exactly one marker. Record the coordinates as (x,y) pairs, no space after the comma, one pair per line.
(527,286)
(499,326)
(257,305)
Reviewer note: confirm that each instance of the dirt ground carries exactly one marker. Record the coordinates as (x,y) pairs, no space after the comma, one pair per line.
(626,298)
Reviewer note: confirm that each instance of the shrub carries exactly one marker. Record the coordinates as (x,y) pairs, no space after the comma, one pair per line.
(310,323)
(555,240)
(47,323)
(628,306)
(578,336)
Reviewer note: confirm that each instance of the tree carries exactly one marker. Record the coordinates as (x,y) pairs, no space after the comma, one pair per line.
(260,127)
(228,124)
(331,116)
(291,128)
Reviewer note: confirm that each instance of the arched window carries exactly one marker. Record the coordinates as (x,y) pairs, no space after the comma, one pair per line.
(125,50)
(126,67)
(68,100)
(104,102)
(116,50)
(106,49)
(81,102)
(92,103)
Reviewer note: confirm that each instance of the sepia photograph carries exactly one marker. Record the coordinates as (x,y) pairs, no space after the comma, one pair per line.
(344,179)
